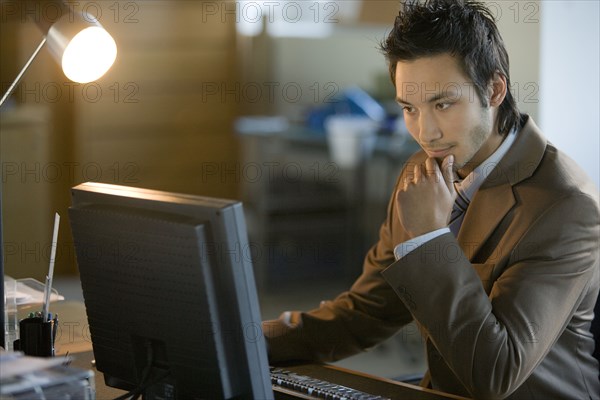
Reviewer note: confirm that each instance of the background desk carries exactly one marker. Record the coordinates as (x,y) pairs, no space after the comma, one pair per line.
(309,218)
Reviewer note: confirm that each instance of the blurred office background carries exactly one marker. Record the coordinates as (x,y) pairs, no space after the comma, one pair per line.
(227,99)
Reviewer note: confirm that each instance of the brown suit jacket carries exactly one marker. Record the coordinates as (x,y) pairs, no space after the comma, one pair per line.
(505,308)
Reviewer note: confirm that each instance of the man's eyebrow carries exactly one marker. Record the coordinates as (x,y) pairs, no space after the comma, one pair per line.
(401,101)
(439,96)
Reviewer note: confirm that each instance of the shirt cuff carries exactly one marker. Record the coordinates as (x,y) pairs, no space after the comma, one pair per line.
(406,247)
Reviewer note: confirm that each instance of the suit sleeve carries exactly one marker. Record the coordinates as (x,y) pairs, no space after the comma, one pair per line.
(493,343)
(360,318)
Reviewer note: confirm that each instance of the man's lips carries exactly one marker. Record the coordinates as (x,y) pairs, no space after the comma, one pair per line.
(438,152)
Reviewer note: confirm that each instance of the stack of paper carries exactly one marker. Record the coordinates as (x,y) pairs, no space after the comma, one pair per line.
(33,378)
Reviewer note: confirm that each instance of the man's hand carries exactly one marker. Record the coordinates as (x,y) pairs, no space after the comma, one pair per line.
(425,202)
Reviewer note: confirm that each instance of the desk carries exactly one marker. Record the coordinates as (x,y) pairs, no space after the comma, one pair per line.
(353,379)
(103,392)
(74,340)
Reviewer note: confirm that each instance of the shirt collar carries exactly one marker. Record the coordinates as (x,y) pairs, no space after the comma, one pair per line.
(469,185)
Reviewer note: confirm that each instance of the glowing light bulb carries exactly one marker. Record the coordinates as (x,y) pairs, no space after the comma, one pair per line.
(89,55)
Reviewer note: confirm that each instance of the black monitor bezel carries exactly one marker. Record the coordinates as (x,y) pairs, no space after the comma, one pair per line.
(227,224)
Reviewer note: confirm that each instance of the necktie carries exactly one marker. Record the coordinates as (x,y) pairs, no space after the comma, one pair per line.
(458,210)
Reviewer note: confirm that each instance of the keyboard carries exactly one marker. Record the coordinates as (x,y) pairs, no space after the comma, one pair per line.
(316,388)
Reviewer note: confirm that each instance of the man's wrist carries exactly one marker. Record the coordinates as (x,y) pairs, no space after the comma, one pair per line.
(425,230)
(406,247)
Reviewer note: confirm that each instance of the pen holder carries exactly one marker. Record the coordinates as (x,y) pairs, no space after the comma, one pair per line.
(36,337)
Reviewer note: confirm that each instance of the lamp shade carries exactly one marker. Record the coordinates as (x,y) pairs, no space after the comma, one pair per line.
(84,49)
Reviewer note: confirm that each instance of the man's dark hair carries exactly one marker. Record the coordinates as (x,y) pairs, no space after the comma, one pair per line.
(464,29)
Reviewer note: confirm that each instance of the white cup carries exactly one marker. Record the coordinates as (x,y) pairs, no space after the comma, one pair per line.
(350,138)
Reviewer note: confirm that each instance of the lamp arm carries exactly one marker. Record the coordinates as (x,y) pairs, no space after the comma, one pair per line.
(18,78)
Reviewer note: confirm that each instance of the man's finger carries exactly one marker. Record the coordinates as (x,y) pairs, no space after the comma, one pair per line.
(408,178)
(417,173)
(448,172)
(431,167)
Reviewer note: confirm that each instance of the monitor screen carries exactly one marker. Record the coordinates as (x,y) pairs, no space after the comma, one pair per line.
(169,293)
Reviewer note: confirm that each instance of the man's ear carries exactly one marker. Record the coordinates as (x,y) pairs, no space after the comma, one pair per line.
(497,90)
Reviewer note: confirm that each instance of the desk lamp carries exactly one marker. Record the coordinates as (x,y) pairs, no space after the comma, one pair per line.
(85,51)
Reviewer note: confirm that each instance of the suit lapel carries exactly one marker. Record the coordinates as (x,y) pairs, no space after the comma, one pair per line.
(495,197)
(485,212)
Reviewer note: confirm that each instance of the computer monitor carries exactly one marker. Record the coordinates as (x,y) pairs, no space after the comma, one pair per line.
(169,293)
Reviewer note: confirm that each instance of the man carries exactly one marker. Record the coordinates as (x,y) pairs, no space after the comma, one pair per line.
(491,243)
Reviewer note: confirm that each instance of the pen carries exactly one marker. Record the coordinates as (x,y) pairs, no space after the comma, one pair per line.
(48,286)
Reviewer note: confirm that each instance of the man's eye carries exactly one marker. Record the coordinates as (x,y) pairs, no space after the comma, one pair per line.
(408,109)
(442,106)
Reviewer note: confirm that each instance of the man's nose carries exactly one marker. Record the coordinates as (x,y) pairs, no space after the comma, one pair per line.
(429,130)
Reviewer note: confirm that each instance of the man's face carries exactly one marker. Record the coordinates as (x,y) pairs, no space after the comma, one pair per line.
(443,112)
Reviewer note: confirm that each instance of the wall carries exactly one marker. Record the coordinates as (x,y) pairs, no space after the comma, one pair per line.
(149,122)
(350,56)
(569,80)
(323,67)
(161,117)
(35,145)
(519,24)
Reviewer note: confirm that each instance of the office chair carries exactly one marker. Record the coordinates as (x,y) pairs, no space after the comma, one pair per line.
(595,329)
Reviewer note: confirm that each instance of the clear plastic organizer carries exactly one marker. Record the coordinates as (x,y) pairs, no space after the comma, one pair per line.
(21,292)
